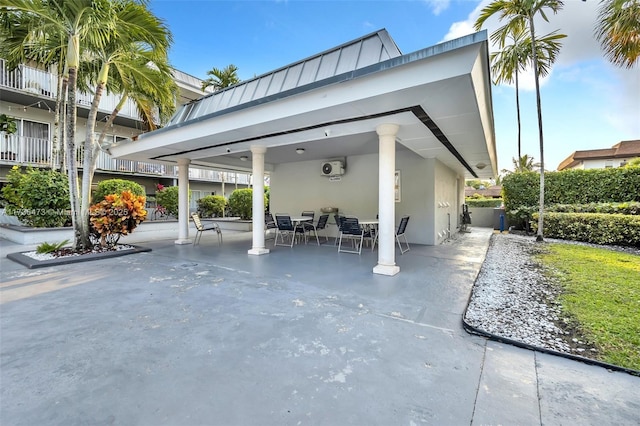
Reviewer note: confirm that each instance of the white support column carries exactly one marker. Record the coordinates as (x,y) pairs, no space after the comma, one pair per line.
(183,201)
(257,164)
(386,200)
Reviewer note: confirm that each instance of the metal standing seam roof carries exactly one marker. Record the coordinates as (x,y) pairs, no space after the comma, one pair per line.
(362,52)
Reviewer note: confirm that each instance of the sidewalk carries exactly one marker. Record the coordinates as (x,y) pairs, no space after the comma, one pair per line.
(190,335)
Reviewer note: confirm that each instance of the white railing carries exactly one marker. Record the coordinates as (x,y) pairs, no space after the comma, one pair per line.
(45,85)
(22,150)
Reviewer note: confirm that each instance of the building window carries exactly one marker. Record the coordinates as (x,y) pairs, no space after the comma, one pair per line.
(608,164)
(36,141)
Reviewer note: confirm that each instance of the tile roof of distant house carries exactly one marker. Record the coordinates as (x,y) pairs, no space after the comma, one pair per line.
(494,191)
(624,149)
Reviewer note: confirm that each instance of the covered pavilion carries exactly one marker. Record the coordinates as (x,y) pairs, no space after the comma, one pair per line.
(406,129)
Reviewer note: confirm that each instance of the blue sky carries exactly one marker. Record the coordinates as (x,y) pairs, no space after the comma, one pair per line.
(587,103)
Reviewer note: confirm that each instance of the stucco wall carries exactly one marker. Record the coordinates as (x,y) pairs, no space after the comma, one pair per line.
(299,186)
(445,205)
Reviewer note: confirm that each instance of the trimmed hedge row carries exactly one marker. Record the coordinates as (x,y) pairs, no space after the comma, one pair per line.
(632,208)
(615,185)
(483,202)
(597,228)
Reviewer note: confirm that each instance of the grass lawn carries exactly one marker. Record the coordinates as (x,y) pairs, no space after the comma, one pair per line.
(602,293)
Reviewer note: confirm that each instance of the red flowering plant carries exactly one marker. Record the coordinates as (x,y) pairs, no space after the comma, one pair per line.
(117,214)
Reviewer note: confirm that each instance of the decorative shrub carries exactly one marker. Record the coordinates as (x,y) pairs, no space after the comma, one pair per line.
(117,215)
(37,197)
(46,247)
(211,206)
(241,203)
(596,228)
(167,197)
(116,186)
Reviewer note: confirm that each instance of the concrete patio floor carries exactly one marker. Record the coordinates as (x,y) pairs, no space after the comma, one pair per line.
(207,335)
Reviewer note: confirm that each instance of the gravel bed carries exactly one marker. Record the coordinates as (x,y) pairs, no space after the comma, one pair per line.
(511,298)
(68,252)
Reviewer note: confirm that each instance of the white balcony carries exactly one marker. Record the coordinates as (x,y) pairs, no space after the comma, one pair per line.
(36,152)
(43,84)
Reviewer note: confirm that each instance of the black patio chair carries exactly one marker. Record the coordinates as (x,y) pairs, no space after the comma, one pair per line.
(352,230)
(339,219)
(400,233)
(310,227)
(286,228)
(308,213)
(269,223)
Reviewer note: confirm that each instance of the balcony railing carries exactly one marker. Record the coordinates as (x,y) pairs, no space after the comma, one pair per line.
(45,85)
(27,151)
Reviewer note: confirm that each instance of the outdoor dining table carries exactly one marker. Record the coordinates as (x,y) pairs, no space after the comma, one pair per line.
(297,220)
(370,225)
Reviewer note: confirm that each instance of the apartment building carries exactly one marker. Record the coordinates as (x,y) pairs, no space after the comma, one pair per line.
(616,156)
(28,95)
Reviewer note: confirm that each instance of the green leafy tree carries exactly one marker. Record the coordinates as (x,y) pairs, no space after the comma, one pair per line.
(241,203)
(38,197)
(521,13)
(8,124)
(116,186)
(211,206)
(221,78)
(522,165)
(167,197)
(94,32)
(618,31)
(634,162)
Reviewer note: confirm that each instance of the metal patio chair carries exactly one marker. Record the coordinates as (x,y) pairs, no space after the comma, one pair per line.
(201,227)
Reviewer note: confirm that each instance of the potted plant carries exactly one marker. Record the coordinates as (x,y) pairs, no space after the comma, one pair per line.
(8,126)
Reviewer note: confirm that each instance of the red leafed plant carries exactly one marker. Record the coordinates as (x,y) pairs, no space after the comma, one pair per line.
(117,214)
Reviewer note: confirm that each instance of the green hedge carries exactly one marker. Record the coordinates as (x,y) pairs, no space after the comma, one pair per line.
(211,205)
(483,202)
(37,197)
(596,228)
(116,186)
(167,197)
(632,208)
(615,185)
(241,203)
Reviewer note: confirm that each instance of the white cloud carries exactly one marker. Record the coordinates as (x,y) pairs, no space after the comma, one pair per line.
(577,20)
(593,104)
(438,6)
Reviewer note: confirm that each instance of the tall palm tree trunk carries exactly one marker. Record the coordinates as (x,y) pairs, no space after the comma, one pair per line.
(540,233)
(518,115)
(89,160)
(71,161)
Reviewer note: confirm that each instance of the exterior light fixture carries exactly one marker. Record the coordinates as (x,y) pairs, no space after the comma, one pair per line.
(480,166)
(244,158)
(300,151)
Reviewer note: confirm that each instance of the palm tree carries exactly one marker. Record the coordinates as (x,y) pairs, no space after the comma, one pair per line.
(139,40)
(515,57)
(523,164)
(221,78)
(102,26)
(45,48)
(505,67)
(618,31)
(521,13)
